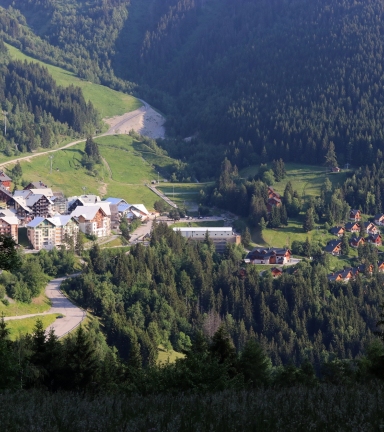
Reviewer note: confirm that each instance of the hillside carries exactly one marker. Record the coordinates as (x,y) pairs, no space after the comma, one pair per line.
(128,165)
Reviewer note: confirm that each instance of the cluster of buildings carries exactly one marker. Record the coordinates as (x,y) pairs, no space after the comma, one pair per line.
(351,273)
(356,226)
(50,216)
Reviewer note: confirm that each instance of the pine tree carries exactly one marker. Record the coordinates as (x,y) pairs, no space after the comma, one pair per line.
(309,222)
(344,245)
(246,238)
(254,364)
(284,216)
(222,347)
(275,220)
(79,243)
(262,224)
(135,361)
(330,157)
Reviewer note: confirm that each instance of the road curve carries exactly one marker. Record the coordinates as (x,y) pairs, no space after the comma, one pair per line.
(73,315)
(111,131)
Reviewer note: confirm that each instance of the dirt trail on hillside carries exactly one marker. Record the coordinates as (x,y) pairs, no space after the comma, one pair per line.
(145,121)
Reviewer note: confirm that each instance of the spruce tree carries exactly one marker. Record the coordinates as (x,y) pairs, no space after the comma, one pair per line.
(309,222)
(254,364)
(330,157)
(344,245)
(246,238)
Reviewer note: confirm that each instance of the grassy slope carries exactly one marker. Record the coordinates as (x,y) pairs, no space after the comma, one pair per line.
(129,174)
(26,325)
(306,179)
(107,101)
(38,305)
(165,356)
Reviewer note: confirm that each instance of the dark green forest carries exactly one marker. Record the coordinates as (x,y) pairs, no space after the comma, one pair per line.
(165,293)
(253,80)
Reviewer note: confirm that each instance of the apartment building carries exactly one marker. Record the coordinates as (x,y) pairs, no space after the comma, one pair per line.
(9,227)
(47,233)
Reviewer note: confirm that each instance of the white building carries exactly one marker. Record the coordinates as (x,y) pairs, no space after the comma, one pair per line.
(199,233)
(93,219)
(47,233)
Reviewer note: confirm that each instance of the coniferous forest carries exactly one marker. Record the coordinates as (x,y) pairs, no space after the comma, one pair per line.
(250,83)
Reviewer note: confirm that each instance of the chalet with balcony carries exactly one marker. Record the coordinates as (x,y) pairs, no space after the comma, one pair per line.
(333,247)
(261,255)
(369,227)
(355,242)
(5,181)
(40,205)
(337,231)
(380,266)
(93,220)
(355,215)
(379,219)
(375,239)
(352,227)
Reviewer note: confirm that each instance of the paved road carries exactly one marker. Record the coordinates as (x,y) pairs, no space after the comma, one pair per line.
(111,131)
(60,304)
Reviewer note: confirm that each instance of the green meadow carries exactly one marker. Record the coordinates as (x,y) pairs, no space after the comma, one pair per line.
(107,101)
(306,179)
(26,325)
(129,171)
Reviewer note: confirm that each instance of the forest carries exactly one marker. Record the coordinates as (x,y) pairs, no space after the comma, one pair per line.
(281,79)
(167,292)
(38,110)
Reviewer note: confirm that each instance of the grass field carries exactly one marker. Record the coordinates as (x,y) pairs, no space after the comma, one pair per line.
(26,325)
(129,174)
(38,305)
(165,356)
(306,179)
(107,101)
(113,243)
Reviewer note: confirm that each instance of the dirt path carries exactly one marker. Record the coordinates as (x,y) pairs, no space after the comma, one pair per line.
(145,121)
(73,315)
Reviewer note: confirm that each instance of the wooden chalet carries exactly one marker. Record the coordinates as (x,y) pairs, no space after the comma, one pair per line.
(5,181)
(40,205)
(276,272)
(375,239)
(261,255)
(380,266)
(333,247)
(36,185)
(5,194)
(379,219)
(353,227)
(369,228)
(337,231)
(336,169)
(355,242)
(355,215)
(274,199)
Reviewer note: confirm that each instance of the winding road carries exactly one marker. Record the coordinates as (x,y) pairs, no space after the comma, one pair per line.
(73,315)
(124,123)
